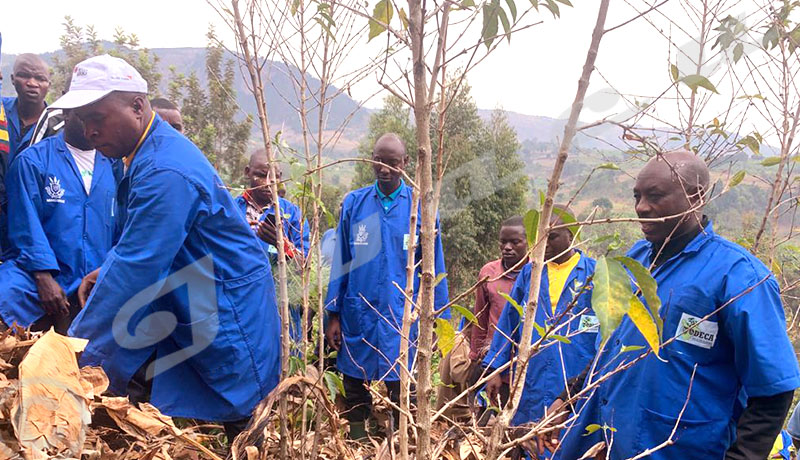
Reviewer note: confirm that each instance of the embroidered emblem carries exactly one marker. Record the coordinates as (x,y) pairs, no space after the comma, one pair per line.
(362,235)
(54,190)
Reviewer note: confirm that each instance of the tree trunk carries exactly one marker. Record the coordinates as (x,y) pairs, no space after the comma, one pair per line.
(537,262)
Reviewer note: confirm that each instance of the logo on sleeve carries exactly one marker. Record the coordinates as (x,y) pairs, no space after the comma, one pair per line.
(362,235)
(691,330)
(54,190)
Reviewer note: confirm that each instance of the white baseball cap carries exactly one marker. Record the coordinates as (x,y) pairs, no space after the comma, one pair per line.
(96,77)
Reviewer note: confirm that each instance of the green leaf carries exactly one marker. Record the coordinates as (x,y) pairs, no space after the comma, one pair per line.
(535,4)
(610,295)
(771,161)
(561,338)
(467,4)
(673,71)
(539,329)
(738,51)
(736,179)
(565,2)
(501,13)
(334,384)
(295,6)
(512,7)
(541,198)
(490,20)
(592,428)
(553,7)
(627,348)
(513,303)
(750,142)
(446,335)
(531,222)
(568,218)
(610,166)
(647,284)
(404,18)
(466,313)
(638,313)
(439,278)
(382,14)
(698,81)
(771,37)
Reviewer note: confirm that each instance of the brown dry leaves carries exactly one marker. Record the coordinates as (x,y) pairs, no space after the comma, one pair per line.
(51,408)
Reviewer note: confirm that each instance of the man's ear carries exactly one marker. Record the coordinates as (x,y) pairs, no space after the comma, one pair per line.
(138,104)
(247,170)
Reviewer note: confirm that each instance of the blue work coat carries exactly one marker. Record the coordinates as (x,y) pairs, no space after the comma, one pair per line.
(56,226)
(292,216)
(17,141)
(552,365)
(188,283)
(370,254)
(744,346)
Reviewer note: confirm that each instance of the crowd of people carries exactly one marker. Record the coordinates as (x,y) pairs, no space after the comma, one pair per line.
(115,228)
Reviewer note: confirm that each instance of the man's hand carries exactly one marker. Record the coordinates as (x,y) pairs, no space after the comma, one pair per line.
(86,287)
(333,333)
(493,389)
(267,232)
(51,296)
(549,440)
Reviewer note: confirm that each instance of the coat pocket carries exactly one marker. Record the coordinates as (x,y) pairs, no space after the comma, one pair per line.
(350,316)
(706,439)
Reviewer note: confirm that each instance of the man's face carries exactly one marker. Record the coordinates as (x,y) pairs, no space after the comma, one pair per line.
(392,156)
(513,244)
(171,116)
(112,124)
(658,195)
(74,131)
(259,176)
(558,241)
(31,80)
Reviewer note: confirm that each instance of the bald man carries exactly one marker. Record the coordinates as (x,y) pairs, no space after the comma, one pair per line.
(723,308)
(365,309)
(31,80)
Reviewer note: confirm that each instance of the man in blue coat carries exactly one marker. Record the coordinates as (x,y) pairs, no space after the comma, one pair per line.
(185,298)
(722,310)
(256,204)
(365,309)
(61,199)
(564,304)
(31,80)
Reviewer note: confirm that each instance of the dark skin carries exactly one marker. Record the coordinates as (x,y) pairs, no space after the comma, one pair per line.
(513,245)
(51,296)
(31,80)
(113,125)
(171,116)
(390,155)
(670,185)
(557,250)
(258,173)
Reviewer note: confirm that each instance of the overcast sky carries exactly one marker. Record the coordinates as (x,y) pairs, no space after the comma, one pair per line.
(536,74)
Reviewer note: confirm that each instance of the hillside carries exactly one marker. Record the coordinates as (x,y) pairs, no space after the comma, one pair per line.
(281,95)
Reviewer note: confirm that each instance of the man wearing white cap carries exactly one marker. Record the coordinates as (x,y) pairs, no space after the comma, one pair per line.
(185,297)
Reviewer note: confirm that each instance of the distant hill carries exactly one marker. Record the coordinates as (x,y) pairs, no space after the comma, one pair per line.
(538,135)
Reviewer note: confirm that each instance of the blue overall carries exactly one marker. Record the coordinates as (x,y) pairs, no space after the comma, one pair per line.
(370,254)
(549,369)
(56,225)
(743,346)
(188,283)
